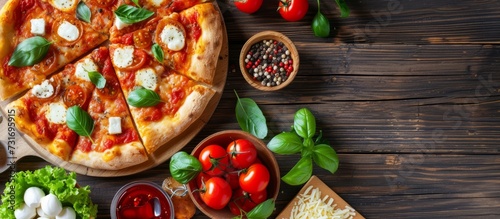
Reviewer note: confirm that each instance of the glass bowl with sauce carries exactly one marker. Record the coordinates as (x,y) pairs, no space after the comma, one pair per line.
(141,199)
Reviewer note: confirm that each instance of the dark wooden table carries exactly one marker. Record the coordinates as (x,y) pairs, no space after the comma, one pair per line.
(407,92)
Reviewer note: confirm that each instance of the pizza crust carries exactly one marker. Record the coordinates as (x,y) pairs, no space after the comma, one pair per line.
(115,158)
(7,35)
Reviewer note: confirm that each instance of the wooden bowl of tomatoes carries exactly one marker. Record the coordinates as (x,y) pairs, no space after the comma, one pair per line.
(239,173)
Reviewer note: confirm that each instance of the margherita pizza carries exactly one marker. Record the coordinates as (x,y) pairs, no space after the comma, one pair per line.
(117,103)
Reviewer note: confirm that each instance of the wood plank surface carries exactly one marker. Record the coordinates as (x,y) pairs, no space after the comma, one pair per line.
(407,92)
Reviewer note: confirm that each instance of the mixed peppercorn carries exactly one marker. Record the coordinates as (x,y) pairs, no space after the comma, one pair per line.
(269,62)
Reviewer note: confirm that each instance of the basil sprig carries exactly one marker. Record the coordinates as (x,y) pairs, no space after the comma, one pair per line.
(97,79)
(130,14)
(80,121)
(29,52)
(83,12)
(261,211)
(300,140)
(184,167)
(142,97)
(157,52)
(250,117)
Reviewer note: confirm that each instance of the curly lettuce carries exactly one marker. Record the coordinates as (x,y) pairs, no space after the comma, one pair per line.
(50,179)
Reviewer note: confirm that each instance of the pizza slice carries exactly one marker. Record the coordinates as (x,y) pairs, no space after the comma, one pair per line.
(188,42)
(36,40)
(114,143)
(163,103)
(41,112)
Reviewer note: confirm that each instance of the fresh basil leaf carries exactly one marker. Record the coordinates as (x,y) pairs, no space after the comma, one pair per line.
(97,79)
(250,117)
(79,121)
(285,143)
(325,157)
(83,12)
(142,97)
(300,173)
(130,14)
(320,139)
(262,211)
(184,167)
(157,52)
(304,123)
(344,9)
(320,25)
(136,2)
(29,52)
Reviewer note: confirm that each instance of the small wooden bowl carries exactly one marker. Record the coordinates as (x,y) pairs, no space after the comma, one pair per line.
(223,139)
(269,35)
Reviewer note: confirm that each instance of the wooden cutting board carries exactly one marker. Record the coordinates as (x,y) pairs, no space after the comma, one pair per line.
(25,146)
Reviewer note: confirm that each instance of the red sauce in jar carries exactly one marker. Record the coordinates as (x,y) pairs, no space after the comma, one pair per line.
(137,202)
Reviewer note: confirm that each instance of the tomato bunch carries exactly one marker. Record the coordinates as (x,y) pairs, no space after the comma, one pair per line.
(232,176)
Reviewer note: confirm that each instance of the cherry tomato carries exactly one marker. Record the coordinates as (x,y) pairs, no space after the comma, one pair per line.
(248,6)
(255,178)
(214,160)
(232,178)
(245,201)
(293,10)
(242,153)
(216,193)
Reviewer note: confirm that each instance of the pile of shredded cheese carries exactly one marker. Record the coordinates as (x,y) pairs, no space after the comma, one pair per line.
(311,205)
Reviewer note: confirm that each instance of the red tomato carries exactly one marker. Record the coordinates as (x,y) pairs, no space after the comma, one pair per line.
(214,160)
(255,178)
(242,153)
(245,201)
(293,10)
(216,193)
(232,178)
(248,6)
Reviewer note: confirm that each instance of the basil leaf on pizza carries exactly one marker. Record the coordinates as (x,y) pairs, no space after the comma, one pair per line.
(136,2)
(29,52)
(130,14)
(157,52)
(80,121)
(97,79)
(83,12)
(142,97)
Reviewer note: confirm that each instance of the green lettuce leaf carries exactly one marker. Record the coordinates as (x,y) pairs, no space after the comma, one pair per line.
(50,179)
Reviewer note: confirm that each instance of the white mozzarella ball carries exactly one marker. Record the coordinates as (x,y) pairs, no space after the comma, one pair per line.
(25,212)
(51,205)
(32,196)
(67,213)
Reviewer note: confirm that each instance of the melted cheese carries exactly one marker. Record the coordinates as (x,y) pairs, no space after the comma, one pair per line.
(156,3)
(68,31)
(120,24)
(43,90)
(147,78)
(311,205)
(173,37)
(38,26)
(83,69)
(123,57)
(57,113)
(115,125)
(64,5)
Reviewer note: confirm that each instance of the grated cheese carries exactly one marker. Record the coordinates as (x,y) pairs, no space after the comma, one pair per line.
(311,205)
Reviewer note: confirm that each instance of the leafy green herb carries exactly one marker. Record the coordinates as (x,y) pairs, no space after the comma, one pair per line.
(29,52)
(80,121)
(320,24)
(83,12)
(157,52)
(50,179)
(344,9)
(130,14)
(142,97)
(136,2)
(250,117)
(97,79)
(184,167)
(262,211)
(301,140)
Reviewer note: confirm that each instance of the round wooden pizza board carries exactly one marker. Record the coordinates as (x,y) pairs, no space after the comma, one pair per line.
(25,146)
